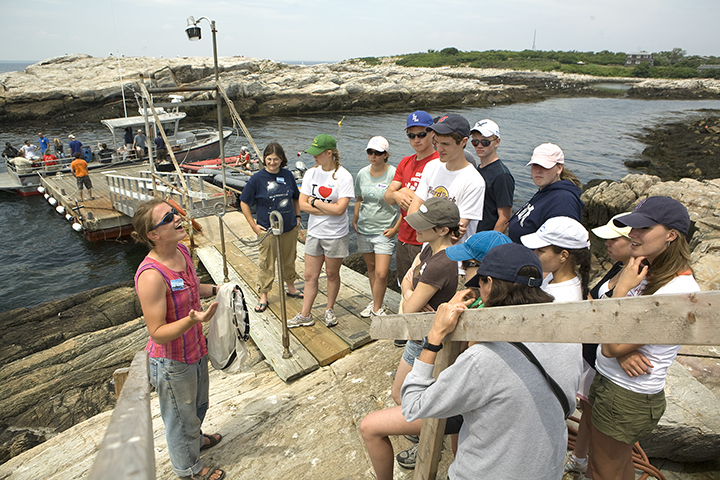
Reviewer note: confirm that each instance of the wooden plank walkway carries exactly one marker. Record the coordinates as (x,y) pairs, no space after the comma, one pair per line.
(324,345)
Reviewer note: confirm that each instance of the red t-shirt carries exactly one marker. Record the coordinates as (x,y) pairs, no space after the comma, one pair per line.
(408,173)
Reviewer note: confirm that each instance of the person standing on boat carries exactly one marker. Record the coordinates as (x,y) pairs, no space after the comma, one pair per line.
(375,222)
(273,188)
(325,194)
(43,142)
(160,145)
(140,144)
(128,137)
(402,189)
(75,145)
(58,148)
(169,291)
(79,169)
(28,150)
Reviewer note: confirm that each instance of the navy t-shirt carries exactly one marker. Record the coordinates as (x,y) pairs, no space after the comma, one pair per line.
(272,192)
(499,191)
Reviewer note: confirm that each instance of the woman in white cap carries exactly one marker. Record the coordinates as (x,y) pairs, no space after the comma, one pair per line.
(325,195)
(562,244)
(618,244)
(558,194)
(375,222)
(627,394)
(431,281)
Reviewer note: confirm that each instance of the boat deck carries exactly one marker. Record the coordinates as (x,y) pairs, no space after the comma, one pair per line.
(102,220)
(311,347)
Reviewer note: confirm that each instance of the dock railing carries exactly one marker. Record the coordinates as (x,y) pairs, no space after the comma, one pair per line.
(127,450)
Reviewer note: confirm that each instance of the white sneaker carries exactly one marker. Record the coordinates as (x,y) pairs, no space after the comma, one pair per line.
(572,464)
(380,312)
(367,311)
(300,321)
(330,318)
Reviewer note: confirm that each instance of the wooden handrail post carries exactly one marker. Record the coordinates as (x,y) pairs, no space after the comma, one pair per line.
(127,450)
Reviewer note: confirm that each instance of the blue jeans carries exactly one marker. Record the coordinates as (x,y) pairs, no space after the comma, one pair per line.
(183,395)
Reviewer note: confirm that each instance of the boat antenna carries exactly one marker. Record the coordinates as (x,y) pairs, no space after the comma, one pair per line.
(534,35)
(122,87)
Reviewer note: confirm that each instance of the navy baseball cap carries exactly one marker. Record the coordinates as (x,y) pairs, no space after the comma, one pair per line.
(477,246)
(653,210)
(505,261)
(419,118)
(450,123)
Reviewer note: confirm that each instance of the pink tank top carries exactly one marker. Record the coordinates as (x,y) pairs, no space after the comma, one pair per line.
(181,296)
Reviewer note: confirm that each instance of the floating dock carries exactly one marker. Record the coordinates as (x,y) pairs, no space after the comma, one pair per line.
(311,347)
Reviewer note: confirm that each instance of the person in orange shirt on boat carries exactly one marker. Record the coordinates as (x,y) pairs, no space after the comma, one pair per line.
(79,169)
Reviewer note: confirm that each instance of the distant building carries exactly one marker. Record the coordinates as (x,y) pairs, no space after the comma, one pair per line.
(708,67)
(634,59)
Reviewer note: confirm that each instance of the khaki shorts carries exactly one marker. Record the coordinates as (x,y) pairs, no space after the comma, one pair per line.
(329,247)
(621,414)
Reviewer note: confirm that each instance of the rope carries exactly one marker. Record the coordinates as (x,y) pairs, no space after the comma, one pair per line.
(640,460)
(238,121)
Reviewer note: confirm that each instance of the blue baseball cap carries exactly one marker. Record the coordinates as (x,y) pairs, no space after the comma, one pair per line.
(653,210)
(477,246)
(505,261)
(419,118)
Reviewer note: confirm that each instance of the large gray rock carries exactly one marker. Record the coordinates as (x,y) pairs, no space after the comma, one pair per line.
(689,431)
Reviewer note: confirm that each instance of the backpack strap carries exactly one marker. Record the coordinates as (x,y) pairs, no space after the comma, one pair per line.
(553,384)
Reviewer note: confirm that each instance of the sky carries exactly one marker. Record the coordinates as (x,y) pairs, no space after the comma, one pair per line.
(334,30)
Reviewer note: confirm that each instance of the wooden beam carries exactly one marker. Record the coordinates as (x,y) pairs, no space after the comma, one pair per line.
(687,319)
(126,451)
(119,377)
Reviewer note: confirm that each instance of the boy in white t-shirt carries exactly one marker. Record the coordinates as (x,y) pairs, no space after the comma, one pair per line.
(451,175)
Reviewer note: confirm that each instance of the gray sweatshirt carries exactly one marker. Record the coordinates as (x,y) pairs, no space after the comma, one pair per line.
(514,425)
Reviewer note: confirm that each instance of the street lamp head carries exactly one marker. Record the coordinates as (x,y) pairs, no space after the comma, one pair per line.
(192,30)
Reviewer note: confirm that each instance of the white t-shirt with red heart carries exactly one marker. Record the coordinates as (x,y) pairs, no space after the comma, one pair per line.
(321,184)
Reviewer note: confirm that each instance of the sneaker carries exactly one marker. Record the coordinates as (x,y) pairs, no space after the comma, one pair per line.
(367,311)
(330,318)
(379,313)
(300,321)
(572,464)
(406,458)
(413,438)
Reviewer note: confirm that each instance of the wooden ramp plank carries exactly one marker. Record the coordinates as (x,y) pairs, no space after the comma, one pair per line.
(265,330)
(322,342)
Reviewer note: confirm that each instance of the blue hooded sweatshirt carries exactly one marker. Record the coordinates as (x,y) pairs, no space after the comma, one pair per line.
(559,199)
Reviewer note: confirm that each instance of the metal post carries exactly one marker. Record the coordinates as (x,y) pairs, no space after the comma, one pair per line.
(220,212)
(276,223)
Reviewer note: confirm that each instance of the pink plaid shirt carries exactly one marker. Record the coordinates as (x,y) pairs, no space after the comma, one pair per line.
(181,296)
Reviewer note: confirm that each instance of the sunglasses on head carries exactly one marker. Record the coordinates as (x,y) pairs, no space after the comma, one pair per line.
(412,136)
(370,151)
(484,142)
(168,218)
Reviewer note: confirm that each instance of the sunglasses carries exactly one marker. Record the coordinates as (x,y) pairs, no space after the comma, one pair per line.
(484,142)
(370,151)
(412,136)
(168,218)
(470,264)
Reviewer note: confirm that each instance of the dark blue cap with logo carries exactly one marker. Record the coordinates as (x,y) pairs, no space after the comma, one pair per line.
(450,123)
(505,261)
(653,210)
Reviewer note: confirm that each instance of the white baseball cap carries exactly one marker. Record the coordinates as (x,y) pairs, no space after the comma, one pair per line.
(563,232)
(610,230)
(486,128)
(379,144)
(547,155)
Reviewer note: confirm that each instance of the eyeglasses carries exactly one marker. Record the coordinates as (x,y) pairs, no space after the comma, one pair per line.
(169,217)
(412,136)
(484,142)
(470,264)
(370,151)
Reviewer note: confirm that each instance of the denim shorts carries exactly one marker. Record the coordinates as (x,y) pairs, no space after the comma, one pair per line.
(621,414)
(411,352)
(379,244)
(329,247)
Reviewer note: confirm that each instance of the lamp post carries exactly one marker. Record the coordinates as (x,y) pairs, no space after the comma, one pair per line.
(194,34)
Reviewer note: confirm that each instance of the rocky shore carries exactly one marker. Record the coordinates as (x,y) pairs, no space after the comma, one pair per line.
(76,88)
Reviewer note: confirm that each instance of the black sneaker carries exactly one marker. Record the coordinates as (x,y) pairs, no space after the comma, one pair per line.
(406,458)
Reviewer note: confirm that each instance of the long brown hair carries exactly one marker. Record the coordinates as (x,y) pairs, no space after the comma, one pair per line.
(336,159)
(674,260)
(143,222)
(566,174)
(277,149)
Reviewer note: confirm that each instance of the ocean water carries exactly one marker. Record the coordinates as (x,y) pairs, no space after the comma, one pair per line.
(43,259)
(13,66)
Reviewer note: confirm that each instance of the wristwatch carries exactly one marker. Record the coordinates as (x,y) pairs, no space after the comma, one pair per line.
(429,346)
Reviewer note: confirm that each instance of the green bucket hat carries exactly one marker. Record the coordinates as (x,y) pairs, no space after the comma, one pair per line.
(321,143)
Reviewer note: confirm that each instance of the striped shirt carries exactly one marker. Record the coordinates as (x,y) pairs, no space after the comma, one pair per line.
(181,296)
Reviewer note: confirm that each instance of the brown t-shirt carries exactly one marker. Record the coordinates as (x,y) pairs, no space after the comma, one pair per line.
(437,271)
